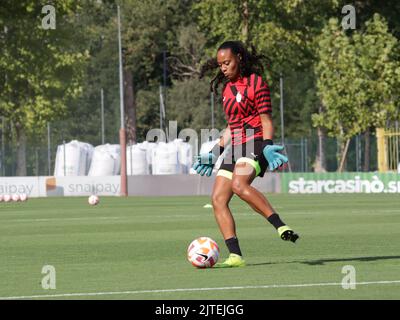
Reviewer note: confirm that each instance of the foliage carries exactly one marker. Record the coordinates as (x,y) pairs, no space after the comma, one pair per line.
(357,78)
(41,69)
(56,75)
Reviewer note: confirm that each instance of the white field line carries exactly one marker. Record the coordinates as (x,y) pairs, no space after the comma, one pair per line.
(133,217)
(63,295)
(189,216)
(60,219)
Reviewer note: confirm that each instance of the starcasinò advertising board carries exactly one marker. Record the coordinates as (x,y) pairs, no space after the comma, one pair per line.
(348,182)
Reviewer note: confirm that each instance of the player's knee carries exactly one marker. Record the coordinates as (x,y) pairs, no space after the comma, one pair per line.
(238,187)
(219,200)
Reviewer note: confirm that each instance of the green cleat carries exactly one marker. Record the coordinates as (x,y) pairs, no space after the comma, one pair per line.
(287,234)
(233,261)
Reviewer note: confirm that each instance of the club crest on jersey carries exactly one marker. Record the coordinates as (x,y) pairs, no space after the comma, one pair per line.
(238,97)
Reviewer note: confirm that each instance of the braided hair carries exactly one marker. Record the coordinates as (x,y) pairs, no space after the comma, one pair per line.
(250,63)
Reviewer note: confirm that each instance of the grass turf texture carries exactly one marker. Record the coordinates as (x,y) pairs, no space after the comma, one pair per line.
(137,244)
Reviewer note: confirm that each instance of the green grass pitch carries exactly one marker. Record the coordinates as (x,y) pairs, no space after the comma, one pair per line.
(135,248)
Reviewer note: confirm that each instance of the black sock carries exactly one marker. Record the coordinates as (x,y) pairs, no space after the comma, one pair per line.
(275,220)
(233,245)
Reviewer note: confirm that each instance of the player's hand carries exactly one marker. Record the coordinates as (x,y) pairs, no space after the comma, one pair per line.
(274,157)
(205,163)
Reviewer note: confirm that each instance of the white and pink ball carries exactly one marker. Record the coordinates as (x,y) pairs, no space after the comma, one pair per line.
(203,252)
(93,200)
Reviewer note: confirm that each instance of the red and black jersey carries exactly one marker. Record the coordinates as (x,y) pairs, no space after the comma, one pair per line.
(243,102)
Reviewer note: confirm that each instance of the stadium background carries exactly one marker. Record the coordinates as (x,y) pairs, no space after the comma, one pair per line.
(335,87)
(166,57)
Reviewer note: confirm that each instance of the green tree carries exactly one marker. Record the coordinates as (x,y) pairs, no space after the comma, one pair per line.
(189,98)
(339,87)
(358,80)
(190,101)
(101,72)
(187,56)
(378,56)
(148,32)
(41,69)
(285,32)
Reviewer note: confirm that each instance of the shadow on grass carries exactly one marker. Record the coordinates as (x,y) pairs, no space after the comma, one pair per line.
(323,261)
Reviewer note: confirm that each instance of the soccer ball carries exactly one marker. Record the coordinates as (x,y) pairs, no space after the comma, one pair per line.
(15,197)
(93,200)
(203,252)
(7,198)
(23,197)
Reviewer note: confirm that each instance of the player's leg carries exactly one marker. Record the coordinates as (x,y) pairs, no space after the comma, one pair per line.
(221,196)
(245,171)
(242,177)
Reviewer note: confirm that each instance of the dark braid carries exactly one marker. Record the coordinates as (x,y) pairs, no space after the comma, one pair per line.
(250,63)
(212,64)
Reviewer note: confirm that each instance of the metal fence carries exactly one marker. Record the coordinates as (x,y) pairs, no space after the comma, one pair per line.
(302,154)
(389,148)
(41,153)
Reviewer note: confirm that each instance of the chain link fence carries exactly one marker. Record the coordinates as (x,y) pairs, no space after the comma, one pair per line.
(302,154)
(41,152)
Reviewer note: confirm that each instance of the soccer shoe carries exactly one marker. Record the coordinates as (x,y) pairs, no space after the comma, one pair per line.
(233,261)
(287,234)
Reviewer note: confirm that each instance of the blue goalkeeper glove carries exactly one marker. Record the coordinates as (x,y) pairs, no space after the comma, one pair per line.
(206,161)
(273,156)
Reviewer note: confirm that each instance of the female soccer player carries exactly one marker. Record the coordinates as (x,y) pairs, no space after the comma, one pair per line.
(247,106)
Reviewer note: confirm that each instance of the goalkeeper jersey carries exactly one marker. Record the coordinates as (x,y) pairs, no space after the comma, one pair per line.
(243,101)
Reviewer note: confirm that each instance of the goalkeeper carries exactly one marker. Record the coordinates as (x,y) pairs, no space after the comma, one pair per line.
(247,107)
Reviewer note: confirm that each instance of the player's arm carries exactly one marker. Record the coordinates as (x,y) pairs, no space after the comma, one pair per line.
(225,138)
(270,151)
(267,126)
